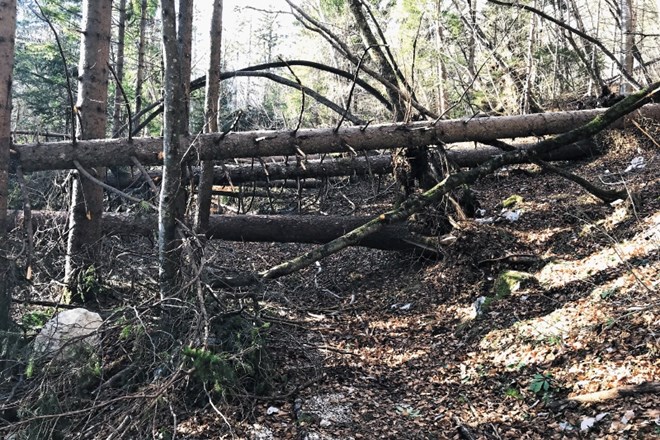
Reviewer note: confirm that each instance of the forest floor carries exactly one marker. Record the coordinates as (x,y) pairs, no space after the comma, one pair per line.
(385,345)
(373,344)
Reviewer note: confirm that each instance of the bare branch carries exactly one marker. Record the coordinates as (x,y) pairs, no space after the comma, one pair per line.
(564,25)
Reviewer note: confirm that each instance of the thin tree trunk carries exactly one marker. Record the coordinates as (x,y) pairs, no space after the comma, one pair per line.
(441,98)
(171,188)
(377,55)
(7,32)
(141,54)
(119,66)
(627,42)
(210,116)
(411,163)
(118,100)
(527,90)
(184,39)
(87,197)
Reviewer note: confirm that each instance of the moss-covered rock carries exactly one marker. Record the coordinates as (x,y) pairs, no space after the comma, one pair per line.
(512,201)
(510,281)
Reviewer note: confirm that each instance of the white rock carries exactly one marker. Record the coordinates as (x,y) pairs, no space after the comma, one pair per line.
(637,163)
(259,432)
(66,331)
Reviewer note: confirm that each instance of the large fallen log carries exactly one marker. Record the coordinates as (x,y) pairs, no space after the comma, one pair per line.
(248,228)
(344,166)
(462,155)
(216,146)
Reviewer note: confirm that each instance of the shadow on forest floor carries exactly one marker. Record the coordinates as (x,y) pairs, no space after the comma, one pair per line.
(386,343)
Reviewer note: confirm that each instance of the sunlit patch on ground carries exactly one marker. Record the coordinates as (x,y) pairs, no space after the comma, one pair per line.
(641,246)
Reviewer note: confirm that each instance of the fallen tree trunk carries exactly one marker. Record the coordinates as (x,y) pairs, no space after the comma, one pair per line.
(216,146)
(312,169)
(249,228)
(415,204)
(465,156)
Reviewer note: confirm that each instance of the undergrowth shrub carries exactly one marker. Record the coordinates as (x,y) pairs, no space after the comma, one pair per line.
(236,360)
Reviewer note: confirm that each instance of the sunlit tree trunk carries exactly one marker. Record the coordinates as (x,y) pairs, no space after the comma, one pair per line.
(87,197)
(210,116)
(7,31)
(527,90)
(441,98)
(627,40)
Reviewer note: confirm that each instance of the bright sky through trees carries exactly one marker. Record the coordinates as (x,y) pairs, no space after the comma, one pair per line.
(239,19)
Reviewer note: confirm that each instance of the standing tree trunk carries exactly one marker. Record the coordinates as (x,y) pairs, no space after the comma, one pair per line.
(412,165)
(184,38)
(141,51)
(377,55)
(627,42)
(210,116)
(185,12)
(7,31)
(169,208)
(119,66)
(86,196)
(526,98)
(120,173)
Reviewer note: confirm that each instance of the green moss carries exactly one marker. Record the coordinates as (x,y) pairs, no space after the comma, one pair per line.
(510,281)
(512,201)
(487,303)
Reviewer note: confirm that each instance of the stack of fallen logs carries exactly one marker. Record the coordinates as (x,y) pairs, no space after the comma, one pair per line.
(315,153)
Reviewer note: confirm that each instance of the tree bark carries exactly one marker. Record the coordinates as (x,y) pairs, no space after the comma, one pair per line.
(184,9)
(119,172)
(172,152)
(314,229)
(87,197)
(141,54)
(119,66)
(627,42)
(234,174)
(60,155)
(211,98)
(463,156)
(416,204)
(7,33)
